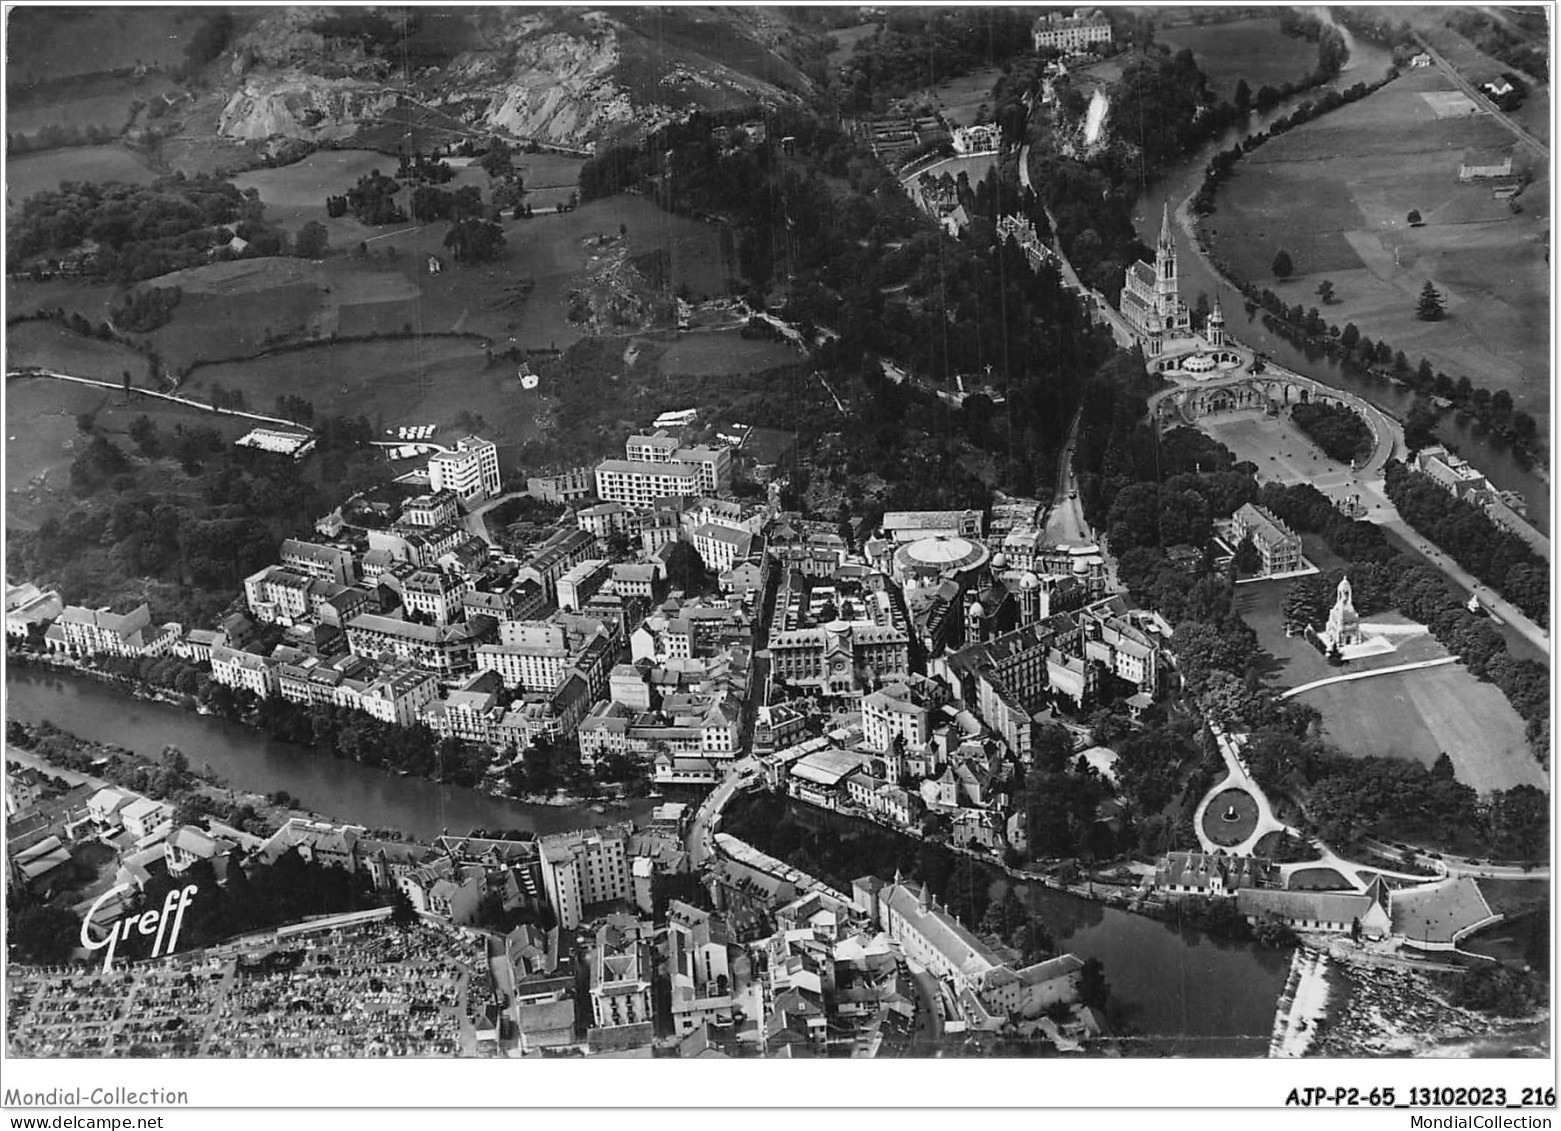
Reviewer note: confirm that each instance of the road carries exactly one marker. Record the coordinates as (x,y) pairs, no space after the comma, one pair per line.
(1480,99)
(1352,676)
(929,1023)
(1065,524)
(476,521)
(69,777)
(701,832)
(1459,865)
(119,387)
(1506,610)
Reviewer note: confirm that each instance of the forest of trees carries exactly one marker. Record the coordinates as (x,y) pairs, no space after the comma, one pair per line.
(861,260)
(917,48)
(185,507)
(141,231)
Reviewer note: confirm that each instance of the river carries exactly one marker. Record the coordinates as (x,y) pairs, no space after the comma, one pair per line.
(1177,990)
(1174,992)
(248,760)
(1367,63)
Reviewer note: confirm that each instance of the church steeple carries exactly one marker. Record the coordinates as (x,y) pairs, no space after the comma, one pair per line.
(1215,330)
(1167,289)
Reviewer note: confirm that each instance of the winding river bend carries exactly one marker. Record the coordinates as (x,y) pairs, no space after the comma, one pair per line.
(248,760)
(1367,63)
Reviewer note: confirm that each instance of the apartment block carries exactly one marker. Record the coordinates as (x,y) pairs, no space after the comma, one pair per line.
(583,868)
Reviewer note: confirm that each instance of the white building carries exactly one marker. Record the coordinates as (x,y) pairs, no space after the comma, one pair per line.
(583,868)
(721,547)
(88,631)
(471,471)
(637,483)
(397,695)
(243,671)
(933,938)
(1071,33)
(892,712)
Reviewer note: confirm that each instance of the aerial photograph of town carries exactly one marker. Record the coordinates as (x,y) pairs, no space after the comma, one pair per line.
(781,533)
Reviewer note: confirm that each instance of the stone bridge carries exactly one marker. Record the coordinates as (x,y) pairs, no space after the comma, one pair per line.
(1273,390)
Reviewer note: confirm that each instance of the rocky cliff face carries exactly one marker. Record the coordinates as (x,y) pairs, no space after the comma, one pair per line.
(562,76)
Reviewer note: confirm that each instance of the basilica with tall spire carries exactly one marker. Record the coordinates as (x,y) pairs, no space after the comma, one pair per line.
(1152,302)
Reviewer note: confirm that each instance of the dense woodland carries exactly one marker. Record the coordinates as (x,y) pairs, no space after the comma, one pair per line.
(184,508)
(917,48)
(141,231)
(859,260)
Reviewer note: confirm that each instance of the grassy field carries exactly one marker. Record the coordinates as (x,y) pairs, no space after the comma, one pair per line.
(42,172)
(1335,194)
(846,39)
(295,194)
(1534,114)
(960,98)
(1291,661)
(52,346)
(549,177)
(440,381)
(724,351)
(38,454)
(1317,879)
(54,43)
(1255,50)
(105,101)
(1420,714)
(520,300)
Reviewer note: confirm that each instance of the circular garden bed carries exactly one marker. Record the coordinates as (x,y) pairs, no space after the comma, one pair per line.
(1230,818)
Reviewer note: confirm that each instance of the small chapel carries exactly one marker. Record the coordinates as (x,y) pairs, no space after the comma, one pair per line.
(1343,622)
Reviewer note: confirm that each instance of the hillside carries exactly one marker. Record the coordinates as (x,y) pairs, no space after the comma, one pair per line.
(565,77)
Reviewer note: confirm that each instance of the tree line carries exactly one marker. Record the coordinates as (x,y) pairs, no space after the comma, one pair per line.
(1495,555)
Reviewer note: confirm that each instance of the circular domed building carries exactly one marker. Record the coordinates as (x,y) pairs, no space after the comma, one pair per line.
(933,560)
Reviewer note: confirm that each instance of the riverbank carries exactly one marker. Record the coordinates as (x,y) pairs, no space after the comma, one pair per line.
(609,797)
(252,762)
(1400,1012)
(1302,1006)
(266,813)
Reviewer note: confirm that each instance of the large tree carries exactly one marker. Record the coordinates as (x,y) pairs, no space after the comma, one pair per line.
(1283,267)
(312,240)
(474,240)
(1430,308)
